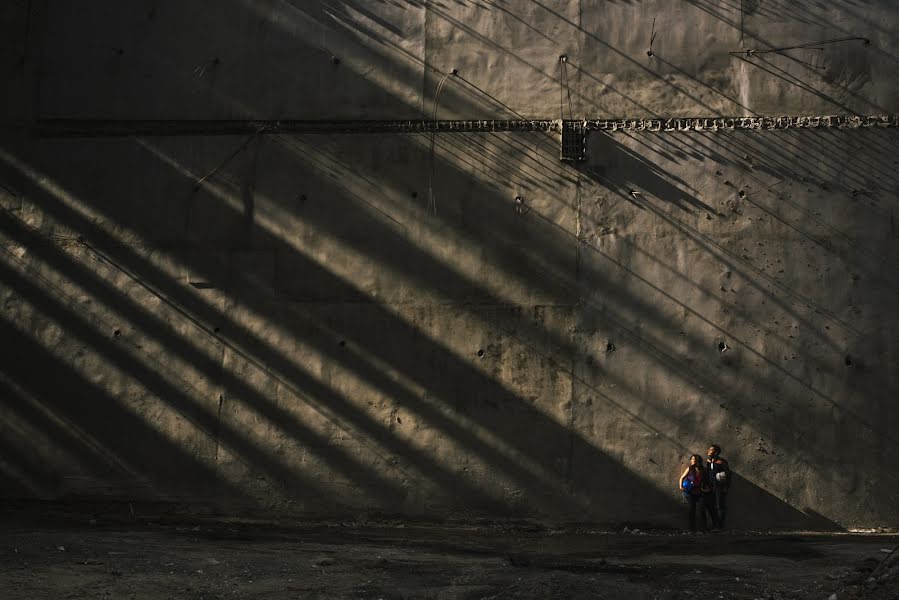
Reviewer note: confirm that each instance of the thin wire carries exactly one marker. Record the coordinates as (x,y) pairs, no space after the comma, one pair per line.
(494,98)
(231,156)
(432,198)
(808,45)
(501,103)
(561,92)
(563,87)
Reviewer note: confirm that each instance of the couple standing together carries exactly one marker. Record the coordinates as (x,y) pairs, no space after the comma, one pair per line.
(704,484)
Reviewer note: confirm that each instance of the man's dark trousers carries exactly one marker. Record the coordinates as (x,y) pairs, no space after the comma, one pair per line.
(716,503)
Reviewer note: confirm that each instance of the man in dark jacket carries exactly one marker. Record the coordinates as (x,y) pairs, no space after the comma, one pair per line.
(719,476)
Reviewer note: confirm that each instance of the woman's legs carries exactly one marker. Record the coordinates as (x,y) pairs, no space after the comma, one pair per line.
(693,503)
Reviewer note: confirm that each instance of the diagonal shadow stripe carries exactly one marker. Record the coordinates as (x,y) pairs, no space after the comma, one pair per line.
(92,409)
(385,491)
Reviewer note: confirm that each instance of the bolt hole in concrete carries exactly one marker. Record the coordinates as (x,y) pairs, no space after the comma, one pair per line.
(723,347)
(216,330)
(480,353)
(742,194)
(848,360)
(610,346)
(116,333)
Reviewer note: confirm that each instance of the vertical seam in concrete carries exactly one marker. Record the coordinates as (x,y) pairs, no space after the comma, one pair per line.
(577,234)
(424,60)
(218,420)
(218,428)
(580,43)
(28,11)
(577,174)
(249,187)
(742,13)
(577,276)
(569,475)
(573,358)
(37,33)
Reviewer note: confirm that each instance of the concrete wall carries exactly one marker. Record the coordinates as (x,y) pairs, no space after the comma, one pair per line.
(351,325)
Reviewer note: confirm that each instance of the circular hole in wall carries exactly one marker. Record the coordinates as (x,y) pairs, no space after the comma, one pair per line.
(481,352)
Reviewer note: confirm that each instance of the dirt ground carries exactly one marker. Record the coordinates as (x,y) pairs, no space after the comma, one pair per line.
(90,556)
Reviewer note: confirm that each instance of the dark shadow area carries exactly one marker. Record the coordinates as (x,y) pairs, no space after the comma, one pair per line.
(448,378)
(631,176)
(753,507)
(183,401)
(149,464)
(471,407)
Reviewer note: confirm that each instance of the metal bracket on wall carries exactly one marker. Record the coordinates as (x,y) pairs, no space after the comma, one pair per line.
(574,140)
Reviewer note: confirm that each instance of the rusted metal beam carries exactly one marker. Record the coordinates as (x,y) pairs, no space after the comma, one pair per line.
(125,128)
(95,128)
(745,123)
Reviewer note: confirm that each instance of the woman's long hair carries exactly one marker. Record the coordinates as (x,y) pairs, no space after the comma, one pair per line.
(697,468)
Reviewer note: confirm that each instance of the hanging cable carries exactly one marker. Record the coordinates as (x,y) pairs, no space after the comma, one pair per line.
(494,98)
(500,103)
(562,60)
(811,45)
(432,198)
(231,156)
(563,87)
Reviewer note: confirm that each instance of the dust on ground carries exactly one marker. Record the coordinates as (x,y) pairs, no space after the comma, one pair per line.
(91,557)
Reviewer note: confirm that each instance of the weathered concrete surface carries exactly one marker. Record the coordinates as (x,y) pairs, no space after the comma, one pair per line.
(369,324)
